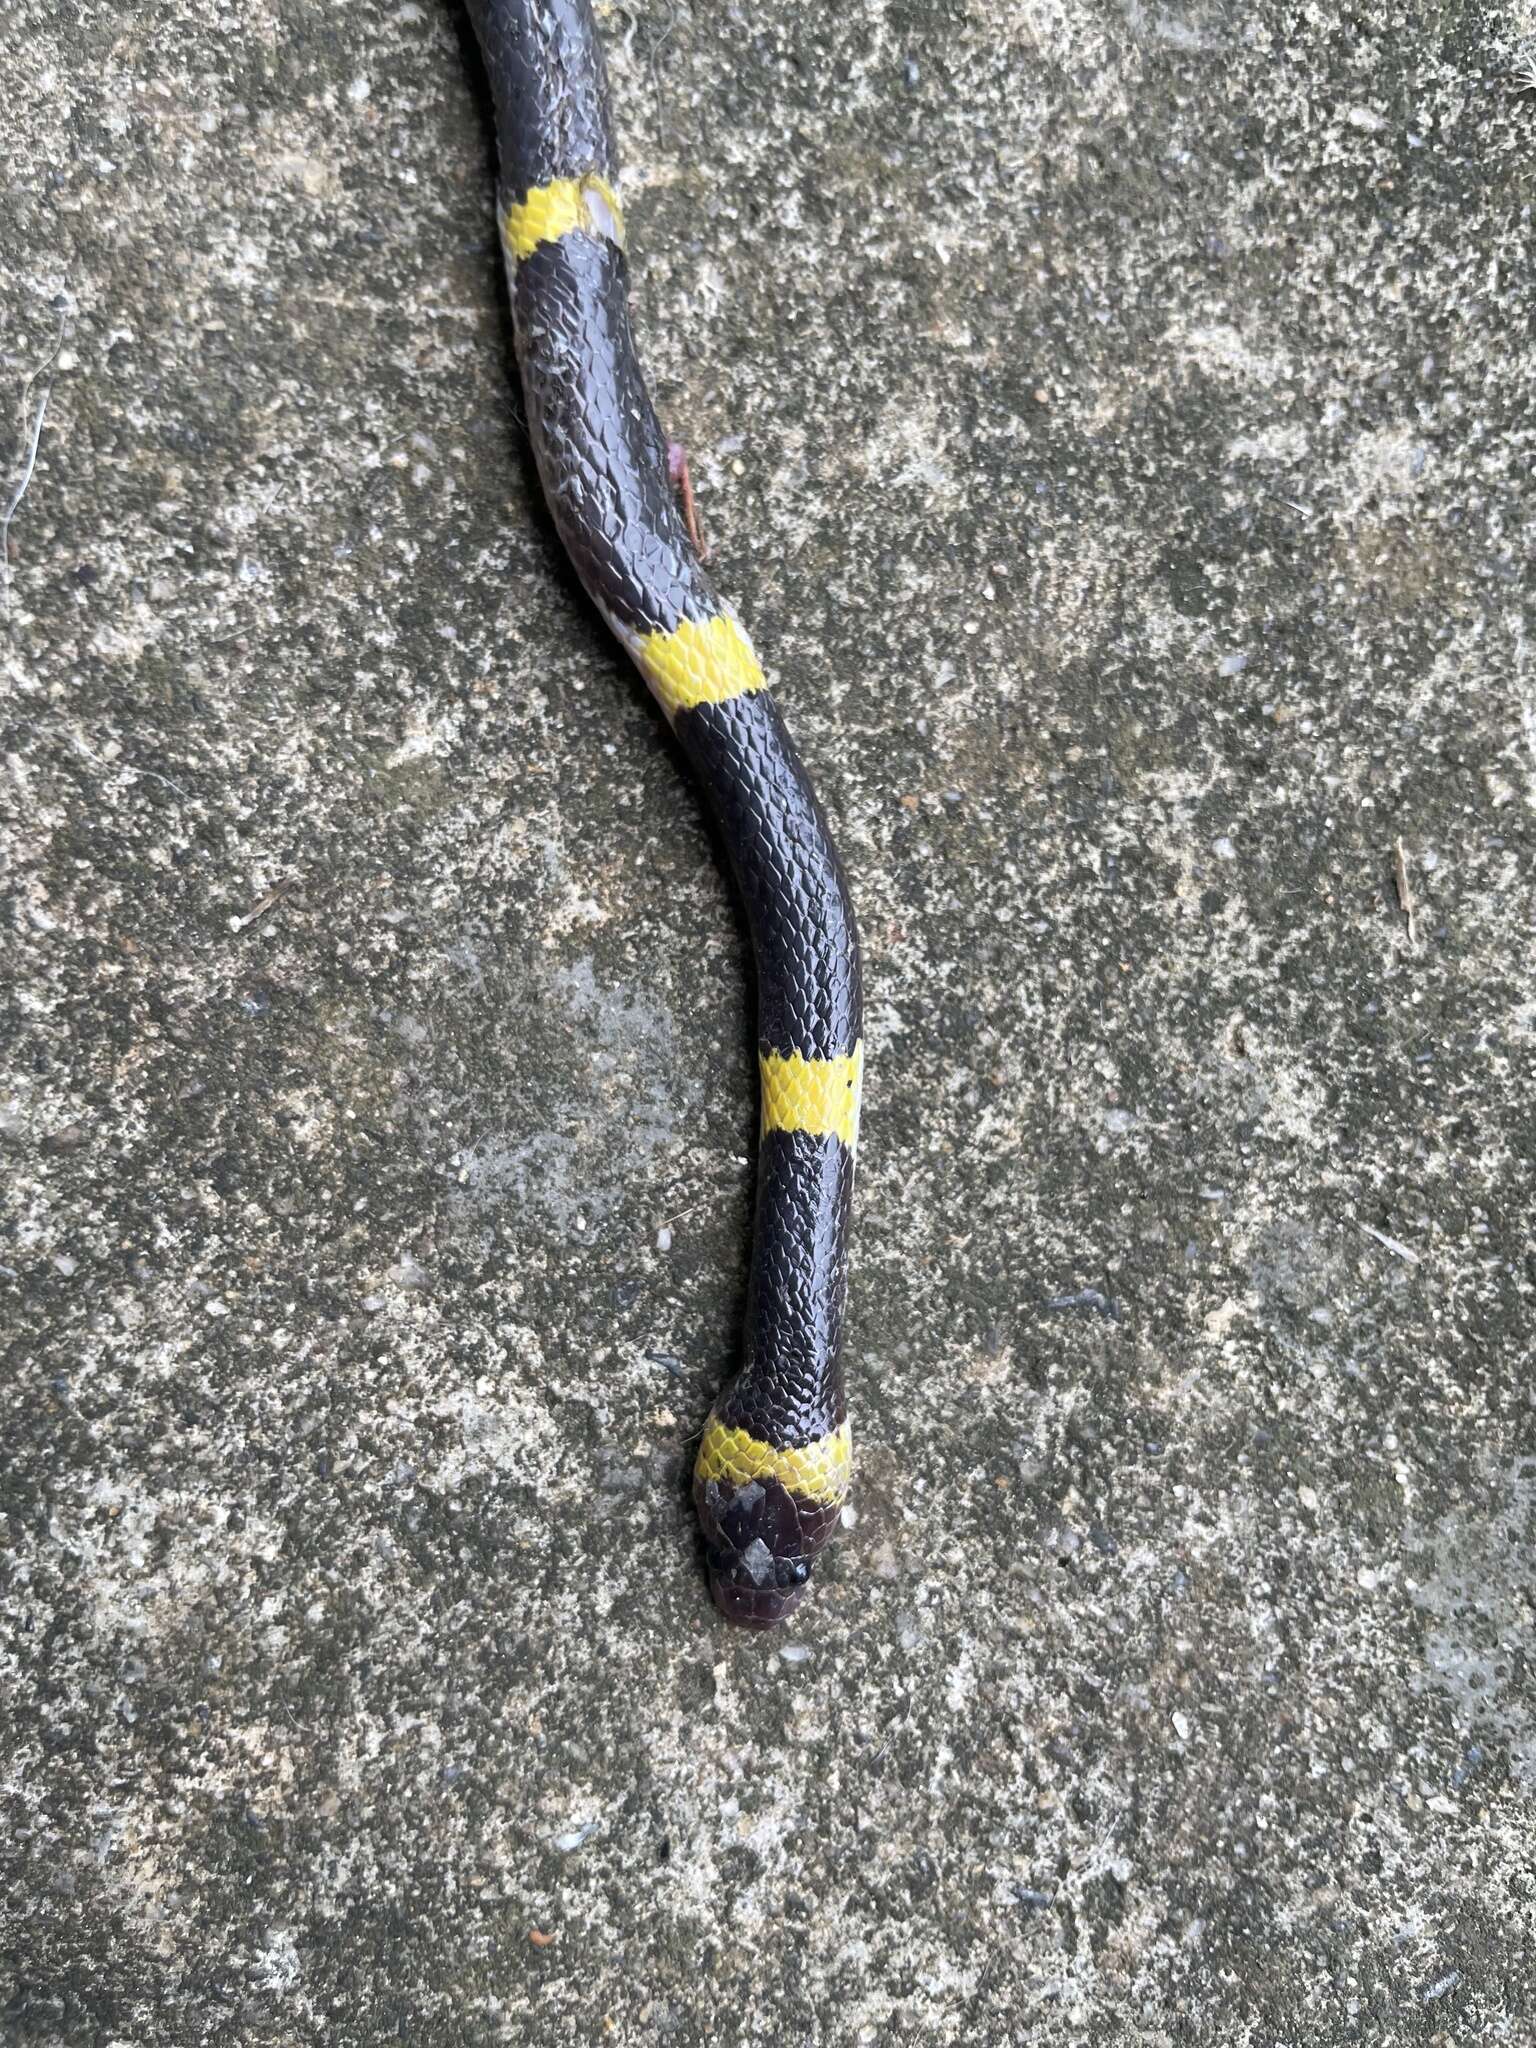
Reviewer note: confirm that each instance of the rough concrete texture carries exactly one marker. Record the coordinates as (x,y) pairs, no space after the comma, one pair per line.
(1115,421)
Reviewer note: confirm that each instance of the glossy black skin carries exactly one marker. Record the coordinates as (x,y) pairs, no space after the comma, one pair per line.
(544,61)
(784,1393)
(602,460)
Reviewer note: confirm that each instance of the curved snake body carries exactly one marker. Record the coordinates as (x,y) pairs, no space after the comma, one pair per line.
(773,1466)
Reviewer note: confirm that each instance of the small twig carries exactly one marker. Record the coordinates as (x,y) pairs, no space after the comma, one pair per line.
(240,924)
(677,470)
(1392,1244)
(31,463)
(655,62)
(682,1215)
(154,775)
(1404,892)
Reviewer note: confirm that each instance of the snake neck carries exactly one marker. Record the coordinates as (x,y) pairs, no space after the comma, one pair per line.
(790,1386)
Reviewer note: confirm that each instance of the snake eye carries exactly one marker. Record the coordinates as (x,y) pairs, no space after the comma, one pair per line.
(791,1571)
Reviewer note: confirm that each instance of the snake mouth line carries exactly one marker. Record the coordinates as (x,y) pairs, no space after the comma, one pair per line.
(755,1606)
(753,1586)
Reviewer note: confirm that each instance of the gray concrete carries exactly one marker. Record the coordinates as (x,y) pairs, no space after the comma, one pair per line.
(1116,424)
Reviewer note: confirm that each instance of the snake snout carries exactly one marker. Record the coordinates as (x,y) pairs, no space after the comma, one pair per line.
(760,1544)
(752,1606)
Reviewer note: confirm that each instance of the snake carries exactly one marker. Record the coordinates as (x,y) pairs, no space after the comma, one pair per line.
(772,1475)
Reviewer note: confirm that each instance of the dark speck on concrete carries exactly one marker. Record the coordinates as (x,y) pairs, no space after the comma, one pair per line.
(1115,422)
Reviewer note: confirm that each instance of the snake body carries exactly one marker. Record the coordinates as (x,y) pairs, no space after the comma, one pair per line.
(774,1462)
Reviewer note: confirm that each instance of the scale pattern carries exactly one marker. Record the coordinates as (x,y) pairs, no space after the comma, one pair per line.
(775,1459)
(821,1096)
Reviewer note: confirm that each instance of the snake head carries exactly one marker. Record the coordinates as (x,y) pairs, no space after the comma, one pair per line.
(766,1510)
(760,1542)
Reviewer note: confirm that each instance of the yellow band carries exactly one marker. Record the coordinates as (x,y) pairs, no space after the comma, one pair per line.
(821,1096)
(819,1471)
(550,211)
(702,662)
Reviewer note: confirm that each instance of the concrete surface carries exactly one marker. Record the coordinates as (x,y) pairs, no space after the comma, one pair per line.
(1116,423)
